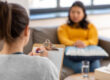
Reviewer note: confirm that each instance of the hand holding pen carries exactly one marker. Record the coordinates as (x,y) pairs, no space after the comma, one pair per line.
(40,52)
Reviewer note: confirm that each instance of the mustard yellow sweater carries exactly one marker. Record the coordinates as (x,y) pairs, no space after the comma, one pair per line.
(69,35)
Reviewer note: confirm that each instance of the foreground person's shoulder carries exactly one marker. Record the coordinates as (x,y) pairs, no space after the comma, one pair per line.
(41,66)
(51,69)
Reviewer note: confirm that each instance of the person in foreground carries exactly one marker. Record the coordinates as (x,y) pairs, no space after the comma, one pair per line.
(78,33)
(14,31)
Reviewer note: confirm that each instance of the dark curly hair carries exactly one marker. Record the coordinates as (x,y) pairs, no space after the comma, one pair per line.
(82,24)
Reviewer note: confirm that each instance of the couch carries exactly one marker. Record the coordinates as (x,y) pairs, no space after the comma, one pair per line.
(39,34)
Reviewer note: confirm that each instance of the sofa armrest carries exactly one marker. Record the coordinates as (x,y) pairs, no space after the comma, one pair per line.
(1,45)
(28,47)
(105,44)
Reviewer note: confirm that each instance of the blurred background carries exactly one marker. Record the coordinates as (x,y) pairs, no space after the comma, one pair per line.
(50,13)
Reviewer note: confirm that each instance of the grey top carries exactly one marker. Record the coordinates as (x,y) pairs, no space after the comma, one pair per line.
(24,67)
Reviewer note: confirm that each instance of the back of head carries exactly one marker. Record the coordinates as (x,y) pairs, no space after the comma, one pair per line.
(13,20)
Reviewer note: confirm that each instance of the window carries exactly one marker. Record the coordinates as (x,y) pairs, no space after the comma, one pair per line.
(68,3)
(42,4)
(101,2)
(59,6)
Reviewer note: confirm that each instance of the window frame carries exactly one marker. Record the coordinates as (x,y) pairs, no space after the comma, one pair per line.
(65,9)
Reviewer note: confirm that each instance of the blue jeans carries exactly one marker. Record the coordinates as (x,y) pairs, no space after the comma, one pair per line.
(76,66)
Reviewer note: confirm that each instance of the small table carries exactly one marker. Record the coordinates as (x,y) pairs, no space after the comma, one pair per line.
(55,56)
(79,77)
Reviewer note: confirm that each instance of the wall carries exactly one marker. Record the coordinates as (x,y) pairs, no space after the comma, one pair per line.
(24,3)
(102,22)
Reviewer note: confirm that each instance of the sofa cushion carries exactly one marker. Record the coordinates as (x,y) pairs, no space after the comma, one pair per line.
(1,45)
(28,47)
(105,44)
(42,33)
(89,53)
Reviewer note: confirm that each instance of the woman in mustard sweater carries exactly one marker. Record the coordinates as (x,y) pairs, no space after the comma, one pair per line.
(78,32)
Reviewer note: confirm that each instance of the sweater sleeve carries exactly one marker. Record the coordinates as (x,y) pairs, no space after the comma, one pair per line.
(63,37)
(92,36)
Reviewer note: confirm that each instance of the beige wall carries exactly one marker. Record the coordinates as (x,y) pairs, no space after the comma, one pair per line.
(102,22)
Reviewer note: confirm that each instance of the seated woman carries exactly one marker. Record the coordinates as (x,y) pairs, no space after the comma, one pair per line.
(80,33)
(14,31)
